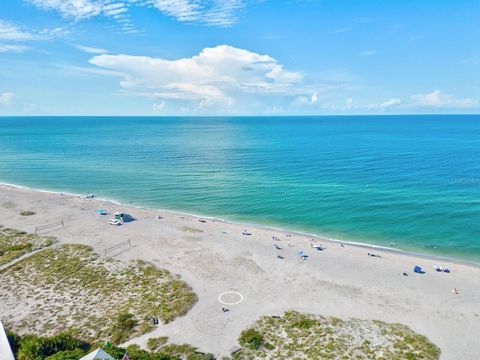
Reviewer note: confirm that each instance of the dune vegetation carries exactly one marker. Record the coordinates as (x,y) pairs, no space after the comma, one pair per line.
(69,287)
(303,336)
(15,243)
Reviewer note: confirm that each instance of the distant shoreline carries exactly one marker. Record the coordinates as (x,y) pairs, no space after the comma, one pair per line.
(264,227)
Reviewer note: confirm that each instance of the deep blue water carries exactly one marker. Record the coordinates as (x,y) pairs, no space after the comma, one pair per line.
(411,180)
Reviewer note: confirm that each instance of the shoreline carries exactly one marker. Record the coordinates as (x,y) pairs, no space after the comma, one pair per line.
(362,245)
(273,275)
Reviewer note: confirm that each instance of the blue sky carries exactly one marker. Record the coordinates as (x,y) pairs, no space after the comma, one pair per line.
(239,57)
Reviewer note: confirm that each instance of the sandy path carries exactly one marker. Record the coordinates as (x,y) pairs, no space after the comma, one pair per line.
(214,257)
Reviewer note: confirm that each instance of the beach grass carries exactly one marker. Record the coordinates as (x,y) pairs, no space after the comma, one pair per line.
(15,243)
(69,287)
(156,343)
(304,336)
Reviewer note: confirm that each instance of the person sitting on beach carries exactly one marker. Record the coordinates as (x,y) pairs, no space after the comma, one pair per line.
(405,274)
(455,291)
(224,309)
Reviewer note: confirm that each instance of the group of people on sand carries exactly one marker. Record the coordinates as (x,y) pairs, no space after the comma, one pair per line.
(321,247)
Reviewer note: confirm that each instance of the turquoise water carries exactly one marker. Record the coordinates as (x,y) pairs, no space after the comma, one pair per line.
(411,180)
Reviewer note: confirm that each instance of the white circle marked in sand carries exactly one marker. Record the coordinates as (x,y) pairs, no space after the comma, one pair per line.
(230,298)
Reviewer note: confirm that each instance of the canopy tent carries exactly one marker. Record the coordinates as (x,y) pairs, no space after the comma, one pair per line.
(5,350)
(98,354)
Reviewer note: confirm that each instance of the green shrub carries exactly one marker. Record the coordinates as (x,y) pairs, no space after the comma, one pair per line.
(304,322)
(67,355)
(65,347)
(32,347)
(251,338)
(122,327)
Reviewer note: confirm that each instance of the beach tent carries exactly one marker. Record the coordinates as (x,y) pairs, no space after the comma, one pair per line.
(102,212)
(97,354)
(123,216)
(5,350)
(418,269)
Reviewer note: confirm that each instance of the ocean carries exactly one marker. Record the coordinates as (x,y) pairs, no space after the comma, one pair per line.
(409,180)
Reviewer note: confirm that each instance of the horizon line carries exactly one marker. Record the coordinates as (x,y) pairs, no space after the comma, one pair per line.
(247,116)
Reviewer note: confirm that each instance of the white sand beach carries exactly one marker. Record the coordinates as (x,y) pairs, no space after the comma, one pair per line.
(214,257)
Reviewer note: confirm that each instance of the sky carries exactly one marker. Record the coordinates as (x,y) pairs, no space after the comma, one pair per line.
(239,57)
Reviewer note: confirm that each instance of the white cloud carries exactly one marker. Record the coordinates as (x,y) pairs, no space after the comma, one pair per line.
(305,100)
(78,9)
(216,12)
(390,103)
(6,98)
(219,75)
(13,48)
(209,12)
(158,107)
(437,99)
(91,50)
(11,32)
